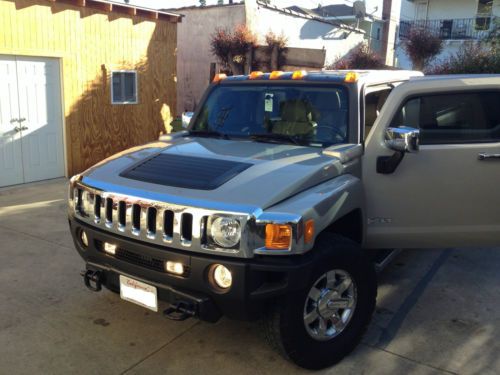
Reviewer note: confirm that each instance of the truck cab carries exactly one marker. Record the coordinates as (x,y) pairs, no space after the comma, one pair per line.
(272,203)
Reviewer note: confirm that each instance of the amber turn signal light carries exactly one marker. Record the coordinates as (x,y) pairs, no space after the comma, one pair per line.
(278,236)
(309,231)
(219,77)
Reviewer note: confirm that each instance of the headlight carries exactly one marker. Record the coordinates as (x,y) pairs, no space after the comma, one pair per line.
(225,231)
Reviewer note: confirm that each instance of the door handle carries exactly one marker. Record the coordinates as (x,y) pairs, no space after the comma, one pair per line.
(486,156)
(14,120)
(20,128)
(19,120)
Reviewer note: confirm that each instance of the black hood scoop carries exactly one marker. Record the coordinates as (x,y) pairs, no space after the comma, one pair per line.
(188,172)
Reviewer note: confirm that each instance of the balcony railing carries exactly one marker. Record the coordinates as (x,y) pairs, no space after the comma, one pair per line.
(448,29)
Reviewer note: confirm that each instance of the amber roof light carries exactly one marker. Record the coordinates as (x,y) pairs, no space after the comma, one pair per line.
(219,77)
(299,74)
(255,75)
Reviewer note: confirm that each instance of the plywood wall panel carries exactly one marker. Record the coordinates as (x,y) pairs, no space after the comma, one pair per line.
(90,44)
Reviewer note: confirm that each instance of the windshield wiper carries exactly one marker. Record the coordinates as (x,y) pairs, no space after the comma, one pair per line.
(276,138)
(208,134)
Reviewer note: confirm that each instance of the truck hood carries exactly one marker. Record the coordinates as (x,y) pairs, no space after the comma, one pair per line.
(265,173)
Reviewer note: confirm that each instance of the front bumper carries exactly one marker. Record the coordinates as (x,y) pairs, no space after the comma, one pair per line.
(256,282)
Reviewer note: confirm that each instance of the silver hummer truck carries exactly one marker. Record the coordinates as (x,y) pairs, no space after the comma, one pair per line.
(278,201)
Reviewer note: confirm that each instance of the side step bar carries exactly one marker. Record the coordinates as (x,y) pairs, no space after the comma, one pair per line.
(384,257)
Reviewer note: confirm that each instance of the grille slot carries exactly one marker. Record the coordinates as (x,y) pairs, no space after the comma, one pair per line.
(186,228)
(168,224)
(151,220)
(109,210)
(136,217)
(122,212)
(97,208)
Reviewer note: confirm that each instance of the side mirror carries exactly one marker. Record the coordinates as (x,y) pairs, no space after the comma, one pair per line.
(402,139)
(186,119)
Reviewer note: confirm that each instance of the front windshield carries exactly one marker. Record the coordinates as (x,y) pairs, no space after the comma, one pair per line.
(306,115)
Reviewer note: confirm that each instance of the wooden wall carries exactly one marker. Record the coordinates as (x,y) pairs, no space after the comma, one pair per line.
(90,43)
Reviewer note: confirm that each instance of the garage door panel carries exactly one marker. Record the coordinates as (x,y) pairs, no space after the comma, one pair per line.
(11,167)
(40,105)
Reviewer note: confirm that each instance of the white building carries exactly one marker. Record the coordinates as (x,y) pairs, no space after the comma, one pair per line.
(454,21)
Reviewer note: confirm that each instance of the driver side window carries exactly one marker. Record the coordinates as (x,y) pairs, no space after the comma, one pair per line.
(453,118)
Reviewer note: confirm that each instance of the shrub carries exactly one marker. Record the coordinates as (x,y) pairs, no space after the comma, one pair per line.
(421,46)
(231,47)
(471,58)
(276,43)
(360,58)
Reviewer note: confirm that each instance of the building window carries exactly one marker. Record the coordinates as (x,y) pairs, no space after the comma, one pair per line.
(483,18)
(124,87)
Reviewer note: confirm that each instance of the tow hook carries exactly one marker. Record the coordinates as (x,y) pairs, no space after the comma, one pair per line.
(92,279)
(180,311)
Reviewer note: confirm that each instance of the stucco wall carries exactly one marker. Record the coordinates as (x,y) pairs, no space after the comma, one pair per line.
(193,49)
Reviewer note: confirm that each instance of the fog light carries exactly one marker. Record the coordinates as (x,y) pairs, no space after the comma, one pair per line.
(109,248)
(174,267)
(84,238)
(222,276)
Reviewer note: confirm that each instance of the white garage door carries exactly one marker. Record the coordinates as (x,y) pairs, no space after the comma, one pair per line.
(31,137)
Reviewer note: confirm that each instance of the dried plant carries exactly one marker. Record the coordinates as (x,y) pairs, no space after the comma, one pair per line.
(232,47)
(360,57)
(421,46)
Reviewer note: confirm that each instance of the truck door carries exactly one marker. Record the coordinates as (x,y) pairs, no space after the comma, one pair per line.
(448,192)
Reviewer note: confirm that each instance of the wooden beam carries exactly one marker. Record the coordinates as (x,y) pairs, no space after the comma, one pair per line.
(131,11)
(151,14)
(105,7)
(168,17)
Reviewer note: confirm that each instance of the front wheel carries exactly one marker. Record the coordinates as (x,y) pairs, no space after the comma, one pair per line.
(319,325)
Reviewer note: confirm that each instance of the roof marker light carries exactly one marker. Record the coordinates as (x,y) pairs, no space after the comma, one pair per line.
(275,74)
(219,77)
(299,74)
(351,77)
(255,75)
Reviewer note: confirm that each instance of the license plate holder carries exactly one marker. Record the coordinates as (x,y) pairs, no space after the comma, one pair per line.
(140,293)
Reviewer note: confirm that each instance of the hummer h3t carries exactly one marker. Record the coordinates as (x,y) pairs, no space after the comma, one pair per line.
(280,198)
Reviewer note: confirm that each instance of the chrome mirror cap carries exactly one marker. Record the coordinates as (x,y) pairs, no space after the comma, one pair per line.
(402,139)
(186,119)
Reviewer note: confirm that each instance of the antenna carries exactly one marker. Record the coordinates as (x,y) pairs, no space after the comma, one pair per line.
(359,9)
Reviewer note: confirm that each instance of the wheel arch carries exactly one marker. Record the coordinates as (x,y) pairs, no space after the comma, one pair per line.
(349,226)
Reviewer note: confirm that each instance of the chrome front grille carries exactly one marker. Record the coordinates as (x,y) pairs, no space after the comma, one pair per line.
(151,221)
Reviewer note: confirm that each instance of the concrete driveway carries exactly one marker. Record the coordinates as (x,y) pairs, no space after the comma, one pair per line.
(438,312)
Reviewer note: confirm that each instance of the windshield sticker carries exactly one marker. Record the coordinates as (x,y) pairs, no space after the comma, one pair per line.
(268,102)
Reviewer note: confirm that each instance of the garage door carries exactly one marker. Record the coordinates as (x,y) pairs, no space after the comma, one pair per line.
(31,137)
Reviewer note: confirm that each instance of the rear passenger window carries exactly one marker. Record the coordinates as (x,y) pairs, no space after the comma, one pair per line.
(453,118)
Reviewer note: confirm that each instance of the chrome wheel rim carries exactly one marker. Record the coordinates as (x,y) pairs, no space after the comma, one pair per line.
(330,305)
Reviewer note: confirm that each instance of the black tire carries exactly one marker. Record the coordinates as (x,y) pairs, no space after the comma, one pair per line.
(284,325)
